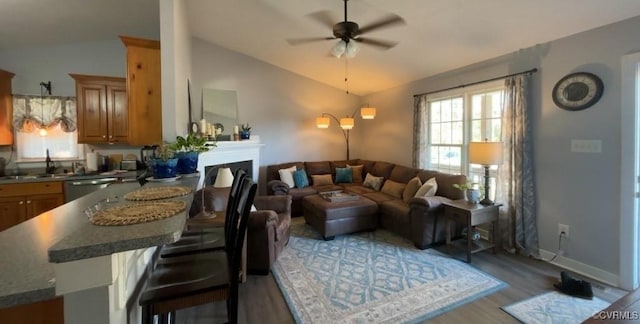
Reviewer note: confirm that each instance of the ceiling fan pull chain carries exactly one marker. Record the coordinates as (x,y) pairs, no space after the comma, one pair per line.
(346,73)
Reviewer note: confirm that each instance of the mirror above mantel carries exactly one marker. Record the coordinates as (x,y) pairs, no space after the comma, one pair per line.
(220,107)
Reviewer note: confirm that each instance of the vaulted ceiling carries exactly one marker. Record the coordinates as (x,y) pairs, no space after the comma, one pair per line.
(438,35)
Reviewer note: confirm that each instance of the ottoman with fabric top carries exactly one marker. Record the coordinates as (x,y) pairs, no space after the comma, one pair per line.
(343,217)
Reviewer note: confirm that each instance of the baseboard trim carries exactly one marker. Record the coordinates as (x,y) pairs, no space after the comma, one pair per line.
(582,268)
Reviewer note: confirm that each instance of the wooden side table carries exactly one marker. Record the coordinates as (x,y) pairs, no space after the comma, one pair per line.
(473,215)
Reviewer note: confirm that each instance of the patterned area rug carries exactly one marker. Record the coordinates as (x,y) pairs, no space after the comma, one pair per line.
(555,307)
(372,277)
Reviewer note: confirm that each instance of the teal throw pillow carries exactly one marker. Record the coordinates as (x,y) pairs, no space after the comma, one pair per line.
(344,175)
(300,178)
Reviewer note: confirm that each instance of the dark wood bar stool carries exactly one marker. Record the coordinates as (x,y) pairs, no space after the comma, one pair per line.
(190,280)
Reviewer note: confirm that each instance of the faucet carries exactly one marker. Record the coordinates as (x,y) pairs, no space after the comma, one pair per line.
(50,168)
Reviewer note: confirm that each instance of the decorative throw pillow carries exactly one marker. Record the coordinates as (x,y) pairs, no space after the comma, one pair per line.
(428,189)
(300,178)
(286,176)
(344,175)
(410,190)
(393,188)
(321,179)
(373,182)
(356,174)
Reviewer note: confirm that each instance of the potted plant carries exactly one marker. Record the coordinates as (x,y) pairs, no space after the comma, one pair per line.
(187,150)
(472,191)
(245,131)
(165,164)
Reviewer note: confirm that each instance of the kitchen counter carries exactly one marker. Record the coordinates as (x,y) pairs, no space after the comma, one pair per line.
(65,177)
(31,251)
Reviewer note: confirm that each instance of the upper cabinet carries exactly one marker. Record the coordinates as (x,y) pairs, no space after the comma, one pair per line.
(103,116)
(144,90)
(6,108)
(123,110)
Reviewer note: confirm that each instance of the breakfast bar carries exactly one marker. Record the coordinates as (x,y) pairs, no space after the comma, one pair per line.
(95,268)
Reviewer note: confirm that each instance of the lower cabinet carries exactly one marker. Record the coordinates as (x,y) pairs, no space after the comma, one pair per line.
(44,312)
(22,201)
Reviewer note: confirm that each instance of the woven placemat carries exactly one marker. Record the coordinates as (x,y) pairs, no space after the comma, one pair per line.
(154,193)
(139,212)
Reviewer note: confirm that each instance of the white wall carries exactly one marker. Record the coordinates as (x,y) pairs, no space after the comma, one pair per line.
(175,44)
(577,189)
(280,106)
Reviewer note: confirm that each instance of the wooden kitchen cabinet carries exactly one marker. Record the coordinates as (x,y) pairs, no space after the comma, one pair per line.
(144,90)
(22,201)
(6,108)
(102,106)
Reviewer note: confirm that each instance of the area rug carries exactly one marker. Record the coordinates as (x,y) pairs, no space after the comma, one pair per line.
(555,307)
(372,277)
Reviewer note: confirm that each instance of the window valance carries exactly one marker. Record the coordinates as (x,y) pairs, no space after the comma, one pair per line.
(33,112)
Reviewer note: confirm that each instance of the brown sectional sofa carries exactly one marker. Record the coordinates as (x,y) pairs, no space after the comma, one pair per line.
(420,220)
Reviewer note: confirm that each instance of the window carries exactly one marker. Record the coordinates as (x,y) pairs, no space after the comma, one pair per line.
(56,115)
(458,117)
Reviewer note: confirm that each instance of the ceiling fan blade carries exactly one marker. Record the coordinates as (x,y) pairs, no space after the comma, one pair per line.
(387,21)
(324,17)
(298,41)
(375,42)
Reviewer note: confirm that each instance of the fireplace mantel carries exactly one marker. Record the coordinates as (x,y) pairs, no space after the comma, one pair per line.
(230,152)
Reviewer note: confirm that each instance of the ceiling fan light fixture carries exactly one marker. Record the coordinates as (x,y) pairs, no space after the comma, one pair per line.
(351,50)
(339,48)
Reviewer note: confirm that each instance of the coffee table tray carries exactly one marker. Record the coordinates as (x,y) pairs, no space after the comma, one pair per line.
(338,196)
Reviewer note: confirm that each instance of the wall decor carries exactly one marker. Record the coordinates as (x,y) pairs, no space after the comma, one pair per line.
(577,91)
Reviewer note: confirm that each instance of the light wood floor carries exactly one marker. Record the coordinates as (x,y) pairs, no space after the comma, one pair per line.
(262,302)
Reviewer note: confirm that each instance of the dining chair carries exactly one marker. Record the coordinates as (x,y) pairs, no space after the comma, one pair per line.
(201,235)
(191,280)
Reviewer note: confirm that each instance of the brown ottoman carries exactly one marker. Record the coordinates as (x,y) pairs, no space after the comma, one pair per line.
(335,218)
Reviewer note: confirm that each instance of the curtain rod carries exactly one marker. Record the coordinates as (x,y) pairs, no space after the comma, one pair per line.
(534,70)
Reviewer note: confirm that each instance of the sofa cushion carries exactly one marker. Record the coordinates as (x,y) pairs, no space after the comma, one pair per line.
(272,170)
(367,165)
(322,179)
(373,182)
(402,174)
(428,189)
(286,176)
(393,188)
(297,193)
(410,190)
(344,175)
(445,183)
(340,164)
(356,173)
(378,197)
(300,178)
(357,188)
(323,167)
(382,169)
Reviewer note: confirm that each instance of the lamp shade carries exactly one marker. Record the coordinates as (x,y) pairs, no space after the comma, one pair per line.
(368,112)
(339,48)
(346,123)
(485,153)
(224,179)
(322,122)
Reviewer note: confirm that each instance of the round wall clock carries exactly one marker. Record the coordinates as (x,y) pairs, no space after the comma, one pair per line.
(577,91)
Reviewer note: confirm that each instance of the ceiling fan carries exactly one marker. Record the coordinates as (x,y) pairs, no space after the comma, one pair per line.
(348,31)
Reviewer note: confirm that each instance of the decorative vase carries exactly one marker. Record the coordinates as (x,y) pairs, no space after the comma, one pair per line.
(164,169)
(473,195)
(187,162)
(244,135)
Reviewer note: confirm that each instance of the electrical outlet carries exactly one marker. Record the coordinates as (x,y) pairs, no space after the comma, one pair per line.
(563,228)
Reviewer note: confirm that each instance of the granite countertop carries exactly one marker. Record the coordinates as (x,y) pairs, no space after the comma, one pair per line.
(63,234)
(66,177)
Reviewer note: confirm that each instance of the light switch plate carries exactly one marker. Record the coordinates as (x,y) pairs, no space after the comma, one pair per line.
(586,146)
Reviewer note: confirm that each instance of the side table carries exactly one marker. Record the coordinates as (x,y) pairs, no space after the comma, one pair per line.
(473,215)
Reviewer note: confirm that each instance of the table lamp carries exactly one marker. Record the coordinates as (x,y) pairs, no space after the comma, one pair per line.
(485,154)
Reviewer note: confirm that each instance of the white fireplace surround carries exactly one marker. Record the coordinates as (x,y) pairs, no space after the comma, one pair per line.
(230,152)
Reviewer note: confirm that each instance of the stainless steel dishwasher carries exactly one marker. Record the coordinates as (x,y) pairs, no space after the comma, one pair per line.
(74,189)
